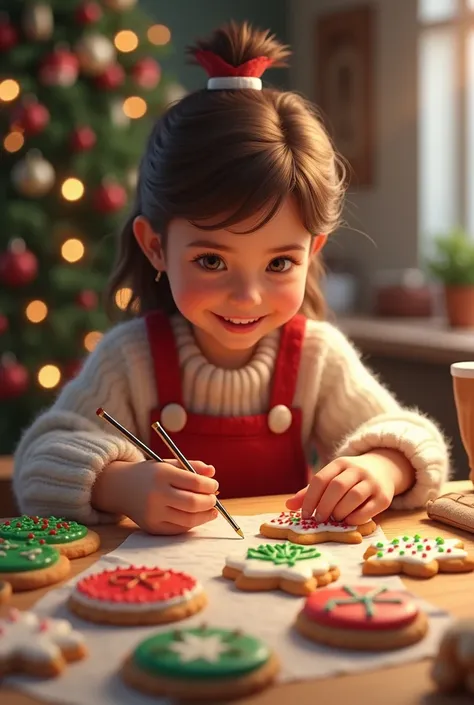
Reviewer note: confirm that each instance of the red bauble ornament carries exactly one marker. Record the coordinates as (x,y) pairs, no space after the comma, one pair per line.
(13,378)
(32,118)
(59,68)
(8,35)
(18,266)
(82,139)
(87,299)
(88,13)
(112,77)
(146,73)
(109,197)
(3,324)
(71,369)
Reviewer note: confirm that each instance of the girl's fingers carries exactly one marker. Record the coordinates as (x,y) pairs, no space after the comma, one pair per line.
(334,491)
(354,499)
(317,486)
(185,480)
(188,519)
(192,502)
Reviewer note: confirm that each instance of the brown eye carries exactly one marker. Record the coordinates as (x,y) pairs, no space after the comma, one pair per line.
(210,262)
(280,264)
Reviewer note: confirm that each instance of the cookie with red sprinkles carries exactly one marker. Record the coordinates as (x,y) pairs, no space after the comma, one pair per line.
(362,617)
(137,595)
(72,540)
(291,526)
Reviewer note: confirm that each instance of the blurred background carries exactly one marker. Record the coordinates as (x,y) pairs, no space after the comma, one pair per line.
(79,83)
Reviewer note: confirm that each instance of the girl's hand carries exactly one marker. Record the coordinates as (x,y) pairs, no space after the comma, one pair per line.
(161,498)
(352,489)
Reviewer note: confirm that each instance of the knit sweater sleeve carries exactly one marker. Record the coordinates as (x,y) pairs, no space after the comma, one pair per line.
(355,414)
(61,454)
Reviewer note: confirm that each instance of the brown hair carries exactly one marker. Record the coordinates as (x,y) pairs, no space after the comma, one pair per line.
(245,150)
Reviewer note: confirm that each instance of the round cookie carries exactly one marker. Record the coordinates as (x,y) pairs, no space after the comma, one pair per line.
(5,592)
(28,565)
(137,595)
(362,617)
(202,663)
(290,526)
(70,538)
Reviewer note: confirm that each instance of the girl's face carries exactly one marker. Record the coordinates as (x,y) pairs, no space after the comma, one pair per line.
(234,288)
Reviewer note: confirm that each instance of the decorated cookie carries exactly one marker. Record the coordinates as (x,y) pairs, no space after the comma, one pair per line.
(362,618)
(202,663)
(5,592)
(295,569)
(70,538)
(453,667)
(417,556)
(36,646)
(290,526)
(137,595)
(28,565)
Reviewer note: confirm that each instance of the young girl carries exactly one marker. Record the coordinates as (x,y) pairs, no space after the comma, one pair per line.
(238,190)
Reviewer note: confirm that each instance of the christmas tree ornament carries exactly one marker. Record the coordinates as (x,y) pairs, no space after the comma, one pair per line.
(71,369)
(38,21)
(111,78)
(88,13)
(8,34)
(117,113)
(14,378)
(59,68)
(95,53)
(82,139)
(146,73)
(87,299)
(109,197)
(3,324)
(120,5)
(18,265)
(31,117)
(33,176)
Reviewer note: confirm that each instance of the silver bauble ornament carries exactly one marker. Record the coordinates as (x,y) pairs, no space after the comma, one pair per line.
(33,176)
(38,21)
(95,53)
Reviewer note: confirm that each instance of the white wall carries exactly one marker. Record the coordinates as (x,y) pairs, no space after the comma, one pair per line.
(386,212)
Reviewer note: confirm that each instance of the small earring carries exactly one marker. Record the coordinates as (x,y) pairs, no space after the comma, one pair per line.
(158,276)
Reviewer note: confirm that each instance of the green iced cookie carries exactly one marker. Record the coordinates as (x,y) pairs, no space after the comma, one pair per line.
(50,529)
(23,556)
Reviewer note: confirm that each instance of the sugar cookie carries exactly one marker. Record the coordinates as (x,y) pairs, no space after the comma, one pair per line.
(203,663)
(363,618)
(137,596)
(295,569)
(453,667)
(417,556)
(290,526)
(36,646)
(28,565)
(70,538)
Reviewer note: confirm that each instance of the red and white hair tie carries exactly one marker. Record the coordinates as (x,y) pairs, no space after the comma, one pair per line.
(225,76)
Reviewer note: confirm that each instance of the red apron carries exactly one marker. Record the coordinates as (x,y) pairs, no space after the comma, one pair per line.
(253,455)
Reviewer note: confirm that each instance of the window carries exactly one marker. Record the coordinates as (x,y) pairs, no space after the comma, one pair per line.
(446,116)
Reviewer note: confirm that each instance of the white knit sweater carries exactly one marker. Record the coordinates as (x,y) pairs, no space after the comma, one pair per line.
(345,411)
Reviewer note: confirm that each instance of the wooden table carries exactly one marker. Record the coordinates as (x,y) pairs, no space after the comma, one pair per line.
(406,685)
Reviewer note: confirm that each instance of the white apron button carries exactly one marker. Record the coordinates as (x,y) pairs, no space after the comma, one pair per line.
(173,417)
(279,419)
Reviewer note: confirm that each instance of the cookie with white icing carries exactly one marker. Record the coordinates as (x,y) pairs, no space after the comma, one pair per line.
(201,663)
(295,569)
(36,646)
(417,556)
(72,540)
(453,667)
(291,526)
(28,565)
(137,595)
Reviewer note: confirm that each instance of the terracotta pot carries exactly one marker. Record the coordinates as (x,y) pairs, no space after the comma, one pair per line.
(460,306)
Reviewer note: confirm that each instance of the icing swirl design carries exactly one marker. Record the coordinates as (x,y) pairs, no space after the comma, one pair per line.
(23,556)
(50,530)
(201,653)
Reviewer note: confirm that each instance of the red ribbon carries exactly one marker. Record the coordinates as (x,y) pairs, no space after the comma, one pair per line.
(216,67)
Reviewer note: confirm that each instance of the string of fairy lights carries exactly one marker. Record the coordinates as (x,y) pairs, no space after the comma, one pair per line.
(72,249)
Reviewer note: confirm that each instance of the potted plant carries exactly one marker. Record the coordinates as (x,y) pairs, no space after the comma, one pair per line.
(453,265)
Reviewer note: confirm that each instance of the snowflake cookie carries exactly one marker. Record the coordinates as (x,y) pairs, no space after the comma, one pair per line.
(70,538)
(202,663)
(295,569)
(290,526)
(362,617)
(36,646)
(137,595)
(417,556)
(453,667)
(28,565)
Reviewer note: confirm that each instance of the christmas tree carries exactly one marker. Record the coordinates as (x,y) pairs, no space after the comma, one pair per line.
(79,85)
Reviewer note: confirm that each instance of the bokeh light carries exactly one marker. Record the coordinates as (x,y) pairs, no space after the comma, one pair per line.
(36,311)
(159,35)
(91,340)
(72,189)
(14,141)
(9,90)
(126,41)
(49,376)
(134,107)
(72,250)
